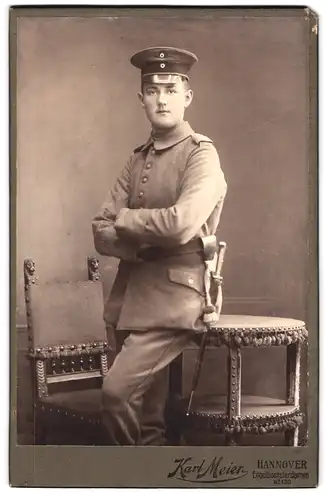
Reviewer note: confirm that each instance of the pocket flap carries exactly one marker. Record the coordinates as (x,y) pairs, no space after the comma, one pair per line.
(191,279)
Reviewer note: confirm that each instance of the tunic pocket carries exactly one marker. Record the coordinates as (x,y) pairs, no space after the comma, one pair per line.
(189,278)
(165,297)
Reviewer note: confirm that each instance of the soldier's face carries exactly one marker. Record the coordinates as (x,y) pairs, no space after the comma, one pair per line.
(164,103)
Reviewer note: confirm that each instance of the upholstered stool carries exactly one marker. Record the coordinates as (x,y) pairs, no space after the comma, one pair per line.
(235,414)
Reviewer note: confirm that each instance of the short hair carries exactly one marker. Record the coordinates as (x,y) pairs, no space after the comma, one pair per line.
(186,83)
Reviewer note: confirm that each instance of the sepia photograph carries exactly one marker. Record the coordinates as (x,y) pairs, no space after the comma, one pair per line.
(164,183)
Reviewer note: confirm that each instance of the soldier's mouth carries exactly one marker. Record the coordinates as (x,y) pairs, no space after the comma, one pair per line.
(163,112)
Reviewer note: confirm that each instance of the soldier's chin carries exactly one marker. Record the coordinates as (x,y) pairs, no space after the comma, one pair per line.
(163,121)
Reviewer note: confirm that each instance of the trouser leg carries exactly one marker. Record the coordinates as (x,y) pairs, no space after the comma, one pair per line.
(153,427)
(152,418)
(142,357)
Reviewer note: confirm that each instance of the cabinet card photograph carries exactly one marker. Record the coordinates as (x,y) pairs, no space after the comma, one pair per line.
(164,247)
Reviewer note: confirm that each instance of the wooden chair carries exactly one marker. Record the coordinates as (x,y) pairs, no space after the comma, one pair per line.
(68,351)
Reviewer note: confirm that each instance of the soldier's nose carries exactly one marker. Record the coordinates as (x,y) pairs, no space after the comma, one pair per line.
(162,100)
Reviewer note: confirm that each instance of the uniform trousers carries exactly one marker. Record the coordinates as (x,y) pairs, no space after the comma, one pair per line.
(135,388)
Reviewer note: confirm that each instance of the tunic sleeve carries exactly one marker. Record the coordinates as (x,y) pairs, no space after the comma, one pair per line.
(203,186)
(106,240)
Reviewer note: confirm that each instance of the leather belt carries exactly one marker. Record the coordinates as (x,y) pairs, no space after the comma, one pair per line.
(155,253)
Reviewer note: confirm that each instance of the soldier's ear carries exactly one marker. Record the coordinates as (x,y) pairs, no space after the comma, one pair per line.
(141,99)
(188,97)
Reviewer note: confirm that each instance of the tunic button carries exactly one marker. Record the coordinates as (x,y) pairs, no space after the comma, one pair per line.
(144,179)
(190,281)
(141,194)
(153,151)
(148,165)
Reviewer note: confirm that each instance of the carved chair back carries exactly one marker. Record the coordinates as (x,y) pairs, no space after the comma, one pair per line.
(66,332)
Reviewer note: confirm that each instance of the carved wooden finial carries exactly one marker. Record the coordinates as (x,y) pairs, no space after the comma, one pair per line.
(29,271)
(93,269)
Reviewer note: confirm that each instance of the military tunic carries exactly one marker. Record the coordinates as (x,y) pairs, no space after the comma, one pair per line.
(170,192)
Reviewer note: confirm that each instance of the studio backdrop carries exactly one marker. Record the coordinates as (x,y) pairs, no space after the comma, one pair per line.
(79,119)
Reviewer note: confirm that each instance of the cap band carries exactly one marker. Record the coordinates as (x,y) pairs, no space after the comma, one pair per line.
(163,66)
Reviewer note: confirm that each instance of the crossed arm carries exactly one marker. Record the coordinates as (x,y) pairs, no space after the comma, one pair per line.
(120,231)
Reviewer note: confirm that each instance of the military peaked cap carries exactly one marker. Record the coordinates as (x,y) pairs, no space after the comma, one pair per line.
(163,64)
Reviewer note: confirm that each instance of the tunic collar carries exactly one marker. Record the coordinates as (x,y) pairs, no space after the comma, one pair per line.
(172,137)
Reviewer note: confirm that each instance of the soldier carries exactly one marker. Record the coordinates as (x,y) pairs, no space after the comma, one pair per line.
(169,195)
